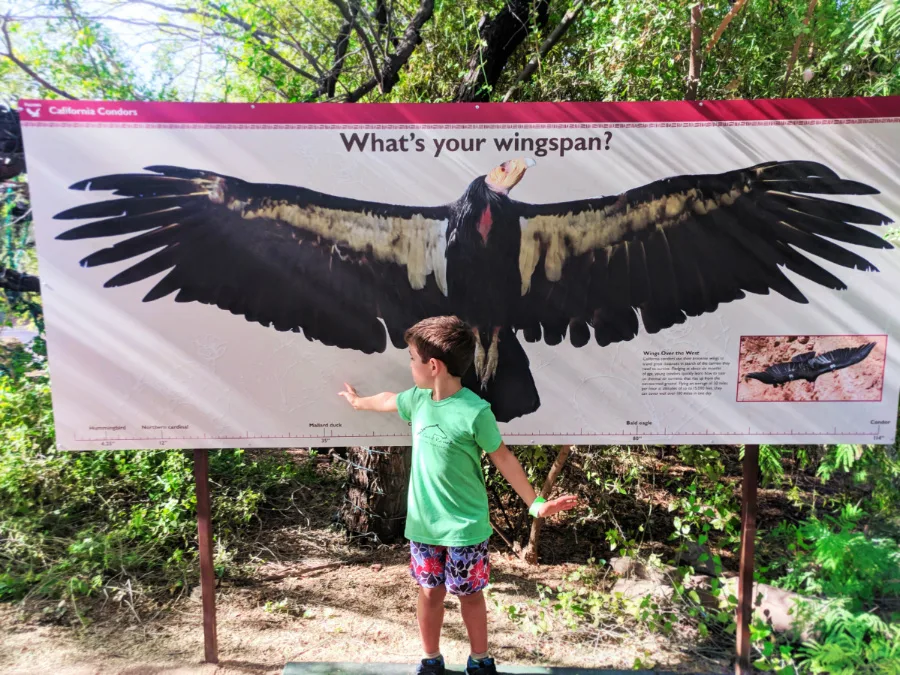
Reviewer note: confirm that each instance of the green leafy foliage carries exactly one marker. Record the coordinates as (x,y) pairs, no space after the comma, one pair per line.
(832,558)
(853,643)
(846,575)
(70,523)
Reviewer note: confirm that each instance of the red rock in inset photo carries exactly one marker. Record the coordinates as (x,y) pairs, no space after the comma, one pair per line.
(860,381)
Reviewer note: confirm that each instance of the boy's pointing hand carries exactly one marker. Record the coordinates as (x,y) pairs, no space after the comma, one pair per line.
(350,394)
(554,506)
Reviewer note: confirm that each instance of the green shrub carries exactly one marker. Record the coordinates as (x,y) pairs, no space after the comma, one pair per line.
(72,521)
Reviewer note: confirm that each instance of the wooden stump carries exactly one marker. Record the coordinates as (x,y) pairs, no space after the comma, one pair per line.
(377,487)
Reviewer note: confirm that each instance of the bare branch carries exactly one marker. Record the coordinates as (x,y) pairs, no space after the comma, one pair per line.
(361,91)
(735,8)
(193,12)
(264,46)
(386,76)
(694,64)
(499,38)
(545,47)
(10,54)
(312,24)
(340,51)
(350,17)
(199,65)
(796,50)
(80,25)
(313,61)
(408,43)
(262,37)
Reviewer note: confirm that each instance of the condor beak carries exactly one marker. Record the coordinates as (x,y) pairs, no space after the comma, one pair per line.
(506,176)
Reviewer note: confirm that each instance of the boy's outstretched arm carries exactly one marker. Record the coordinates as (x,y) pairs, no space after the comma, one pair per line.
(383,402)
(512,471)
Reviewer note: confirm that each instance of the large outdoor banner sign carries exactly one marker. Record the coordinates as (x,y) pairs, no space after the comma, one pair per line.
(636,273)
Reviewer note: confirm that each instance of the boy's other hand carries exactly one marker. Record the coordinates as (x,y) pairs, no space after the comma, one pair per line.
(350,394)
(554,506)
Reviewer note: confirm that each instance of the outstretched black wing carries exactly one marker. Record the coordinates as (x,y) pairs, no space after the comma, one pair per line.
(681,246)
(780,373)
(810,366)
(837,359)
(279,255)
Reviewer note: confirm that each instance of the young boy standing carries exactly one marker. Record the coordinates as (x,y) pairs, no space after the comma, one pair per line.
(447,521)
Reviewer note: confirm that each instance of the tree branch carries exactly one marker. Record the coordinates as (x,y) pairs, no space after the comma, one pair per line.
(530,555)
(390,73)
(350,17)
(498,40)
(796,50)
(262,37)
(180,30)
(11,165)
(313,61)
(361,91)
(81,27)
(694,64)
(735,8)
(28,71)
(337,66)
(545,47)
(19,282)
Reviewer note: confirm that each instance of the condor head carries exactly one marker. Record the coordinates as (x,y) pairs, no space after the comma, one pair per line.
(506,176)
(484,200)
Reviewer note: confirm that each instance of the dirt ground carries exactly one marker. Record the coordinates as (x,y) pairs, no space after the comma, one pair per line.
(860,382)
(347,612)
(316,598)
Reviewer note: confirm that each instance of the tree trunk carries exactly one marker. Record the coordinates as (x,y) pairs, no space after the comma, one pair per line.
(499,38)
(12,154)
(377,484)
(693,81)
(531,550)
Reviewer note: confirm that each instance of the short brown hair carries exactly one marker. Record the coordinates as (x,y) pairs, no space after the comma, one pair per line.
(446,338)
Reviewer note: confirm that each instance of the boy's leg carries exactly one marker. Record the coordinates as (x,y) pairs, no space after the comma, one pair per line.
(474,615)
(468,571)
(426,566)
(430,613)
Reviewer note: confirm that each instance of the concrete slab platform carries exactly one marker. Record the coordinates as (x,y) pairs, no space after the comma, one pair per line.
(318,668)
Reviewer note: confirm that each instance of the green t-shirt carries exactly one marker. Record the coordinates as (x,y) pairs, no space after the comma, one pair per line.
(448,503)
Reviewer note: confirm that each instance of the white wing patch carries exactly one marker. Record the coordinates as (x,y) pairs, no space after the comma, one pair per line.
(559,236)
(419,243)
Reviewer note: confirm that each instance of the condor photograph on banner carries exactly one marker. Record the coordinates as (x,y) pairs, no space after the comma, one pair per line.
(675,272)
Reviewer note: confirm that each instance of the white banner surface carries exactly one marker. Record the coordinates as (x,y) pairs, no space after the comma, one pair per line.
(638,273)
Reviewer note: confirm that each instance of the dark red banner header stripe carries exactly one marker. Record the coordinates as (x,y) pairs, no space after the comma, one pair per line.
(458,113)
(138,112)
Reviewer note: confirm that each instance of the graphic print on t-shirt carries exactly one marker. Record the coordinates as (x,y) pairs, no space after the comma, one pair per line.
(436,436)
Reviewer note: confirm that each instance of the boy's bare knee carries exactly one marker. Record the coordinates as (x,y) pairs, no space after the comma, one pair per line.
(436,593)
(472,597)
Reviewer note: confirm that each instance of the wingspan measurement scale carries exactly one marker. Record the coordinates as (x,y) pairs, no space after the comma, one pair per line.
(636,436)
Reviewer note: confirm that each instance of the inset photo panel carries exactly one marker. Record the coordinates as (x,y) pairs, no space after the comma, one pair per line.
(811,368)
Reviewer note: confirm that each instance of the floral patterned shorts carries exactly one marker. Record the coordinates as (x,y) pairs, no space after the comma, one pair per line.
(464,569)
